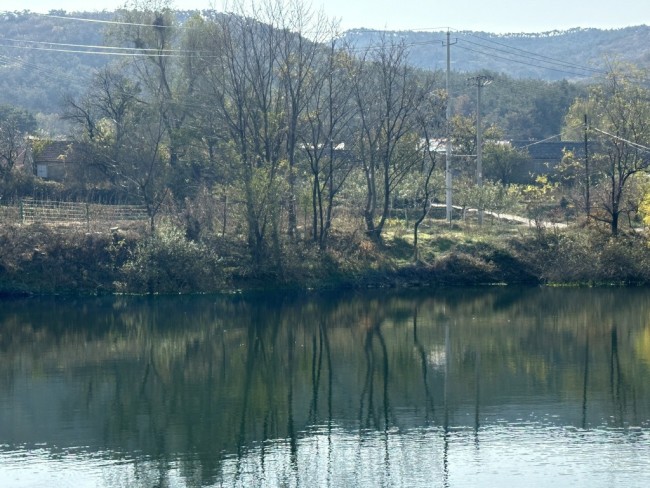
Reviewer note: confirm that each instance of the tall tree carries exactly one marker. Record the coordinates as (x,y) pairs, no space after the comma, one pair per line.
(387,94)
(167,64)
(15,126)
(619,113)
(297,60)
(122,136)
(327,126)
(429,119)
(501,161)
(242,81)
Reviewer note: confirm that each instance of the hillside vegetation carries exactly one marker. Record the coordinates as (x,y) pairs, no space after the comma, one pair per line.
(266,151)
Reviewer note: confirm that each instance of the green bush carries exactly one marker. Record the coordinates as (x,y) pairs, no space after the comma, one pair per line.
(587,256)
(166,262)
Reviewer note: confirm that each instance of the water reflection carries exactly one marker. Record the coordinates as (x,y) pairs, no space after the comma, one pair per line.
(456,388)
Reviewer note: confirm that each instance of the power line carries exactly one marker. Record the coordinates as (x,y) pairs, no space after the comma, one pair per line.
(536,55)
(525,54)
(116,51)
(98,21)
(101,50)
(100,53)
(574,126)
(633,144)
(146,52)
(522,62)
(91,46)
(495,56)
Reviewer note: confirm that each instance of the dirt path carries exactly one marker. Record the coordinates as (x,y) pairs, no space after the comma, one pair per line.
(511,217)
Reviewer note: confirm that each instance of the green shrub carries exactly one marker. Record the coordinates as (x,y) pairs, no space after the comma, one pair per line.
(587,256)
(166,262)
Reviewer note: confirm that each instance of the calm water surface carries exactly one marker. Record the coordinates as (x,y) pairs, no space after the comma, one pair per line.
(493,387)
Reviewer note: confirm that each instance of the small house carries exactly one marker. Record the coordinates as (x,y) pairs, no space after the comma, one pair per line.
(544,157)
(53,160)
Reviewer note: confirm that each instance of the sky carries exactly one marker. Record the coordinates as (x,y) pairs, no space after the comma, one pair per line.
(496,16)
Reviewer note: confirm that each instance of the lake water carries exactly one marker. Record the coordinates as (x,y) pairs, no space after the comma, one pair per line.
(494,387)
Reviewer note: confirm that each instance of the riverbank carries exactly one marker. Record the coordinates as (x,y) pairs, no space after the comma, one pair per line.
(40,259)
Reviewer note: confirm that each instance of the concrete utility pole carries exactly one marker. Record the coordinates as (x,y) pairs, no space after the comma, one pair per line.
(480,81)
(587,176)
(448,179)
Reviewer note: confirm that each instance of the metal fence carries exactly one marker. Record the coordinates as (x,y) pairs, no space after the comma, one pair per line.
(47,211)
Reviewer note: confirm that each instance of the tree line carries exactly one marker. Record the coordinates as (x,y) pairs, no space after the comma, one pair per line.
(263,105)
(266,108)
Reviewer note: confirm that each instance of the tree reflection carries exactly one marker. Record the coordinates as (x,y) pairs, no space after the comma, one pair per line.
(429,407)
(585,382)
(445,425)
(206,384)
(376,366)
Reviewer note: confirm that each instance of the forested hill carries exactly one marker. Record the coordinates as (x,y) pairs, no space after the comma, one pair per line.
(42,56)
(575,54)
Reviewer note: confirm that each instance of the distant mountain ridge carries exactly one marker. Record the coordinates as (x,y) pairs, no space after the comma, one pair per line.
(575,54)
(34,76)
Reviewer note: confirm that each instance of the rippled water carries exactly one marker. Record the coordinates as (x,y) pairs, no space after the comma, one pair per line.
(508,455)
(451,389)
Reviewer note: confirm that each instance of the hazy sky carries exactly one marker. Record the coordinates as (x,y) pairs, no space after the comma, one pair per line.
(500,16)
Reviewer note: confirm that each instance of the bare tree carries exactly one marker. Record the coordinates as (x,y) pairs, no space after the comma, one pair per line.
(123,137)
(619,114)
(327,121)
(242,80)
(297,62)
(387,95)
(429,119)
(167,66)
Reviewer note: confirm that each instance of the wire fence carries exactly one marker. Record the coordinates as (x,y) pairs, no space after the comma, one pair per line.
(30,210)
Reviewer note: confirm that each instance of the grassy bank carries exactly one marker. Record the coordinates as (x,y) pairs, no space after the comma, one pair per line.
(47,259)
